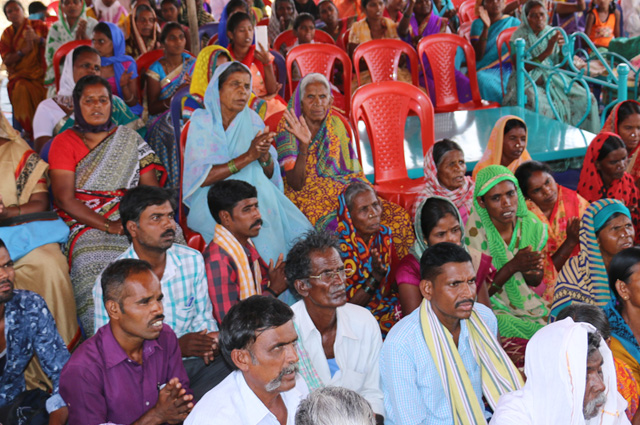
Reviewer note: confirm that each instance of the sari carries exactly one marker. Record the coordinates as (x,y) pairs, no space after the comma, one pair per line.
(584,277)
(569,204)
(275,28)
(493,152)
(356,254)
(519,310)
(571,106)
(462,197)
(137,46)
(209,144)
(591,187)
(59,34)
(624,344)
(488,67)
(445,6)
(611,126)
(204,68)
(43,268)
(102,177)
(25,88)
(331,165)
(113,13)
(432,26)
(160,134)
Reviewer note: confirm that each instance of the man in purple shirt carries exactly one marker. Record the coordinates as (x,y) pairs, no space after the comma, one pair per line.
(130,371)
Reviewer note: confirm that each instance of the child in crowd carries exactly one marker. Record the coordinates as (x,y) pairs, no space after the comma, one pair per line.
(603,23)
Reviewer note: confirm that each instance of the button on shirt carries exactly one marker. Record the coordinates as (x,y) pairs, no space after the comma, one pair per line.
(102,384)
(413,391)
(186,302)
(356,349)
(232,402)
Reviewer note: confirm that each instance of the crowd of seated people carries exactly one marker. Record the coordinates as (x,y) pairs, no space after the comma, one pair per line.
(304,276)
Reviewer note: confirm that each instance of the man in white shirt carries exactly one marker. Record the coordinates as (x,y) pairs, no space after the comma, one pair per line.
(257,338)
(342,340)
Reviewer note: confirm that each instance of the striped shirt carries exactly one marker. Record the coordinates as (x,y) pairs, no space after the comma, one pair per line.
(187,306)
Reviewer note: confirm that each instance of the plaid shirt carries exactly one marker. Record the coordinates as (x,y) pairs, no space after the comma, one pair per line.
(187,307)
(222,276)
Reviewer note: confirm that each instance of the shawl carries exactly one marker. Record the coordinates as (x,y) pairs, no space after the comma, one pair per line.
(119,57)
(555,366)
(249,284)
(274,23)
(462,197)
(499,374)
(611,125)
(67,83)
(621,331)
(429,26)
(60,33)
(584,277)
(171,82)
(520,311)
(336,158)
(591,187)
(250,60)
(493,152)
(490,58)
(138,41)
(209,144)
(81,125)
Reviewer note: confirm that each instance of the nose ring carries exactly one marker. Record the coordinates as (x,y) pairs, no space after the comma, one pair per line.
(371,216)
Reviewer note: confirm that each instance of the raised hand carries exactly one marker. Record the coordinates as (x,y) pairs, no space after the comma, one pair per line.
(277,280)
(298,127)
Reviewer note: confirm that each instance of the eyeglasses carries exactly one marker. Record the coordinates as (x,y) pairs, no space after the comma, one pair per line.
(331,275)
(90,67)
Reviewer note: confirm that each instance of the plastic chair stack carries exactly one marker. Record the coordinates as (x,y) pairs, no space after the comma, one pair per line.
(288,39)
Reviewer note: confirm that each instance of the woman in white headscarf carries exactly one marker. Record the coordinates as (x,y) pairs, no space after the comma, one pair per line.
(557,378)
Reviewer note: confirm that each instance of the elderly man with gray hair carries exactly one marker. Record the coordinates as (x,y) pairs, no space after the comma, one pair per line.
(335,406)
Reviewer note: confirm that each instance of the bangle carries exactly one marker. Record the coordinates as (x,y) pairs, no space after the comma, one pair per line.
(266,163)
(131,98)
(496,287)
(232,167)
(106,225)
(368,289)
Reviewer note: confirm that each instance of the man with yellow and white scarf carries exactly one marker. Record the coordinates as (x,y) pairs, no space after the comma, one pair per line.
(439,362)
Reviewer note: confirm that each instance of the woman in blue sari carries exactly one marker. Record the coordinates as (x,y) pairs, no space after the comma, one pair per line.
(227,139)
(484,35)
(166,76)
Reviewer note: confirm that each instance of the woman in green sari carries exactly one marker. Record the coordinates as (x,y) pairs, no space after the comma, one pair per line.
(571,106)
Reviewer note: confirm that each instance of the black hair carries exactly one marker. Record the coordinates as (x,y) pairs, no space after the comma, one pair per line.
(514,123)
(303,17)
(36,7)
(612,143)
(173,2)
(4,8)
(526,170)
(143,8)
(246,320)
(115,275)
(233,4)
(321,2)
(224,195)
(139,198)
(588,313)
(90,80)
(236,19)
(612,7)
(298,264)
(621,268)
(627,109)
(2,245)
(231,69)
(103,28)
(442,147)
(531,4)
(593,343)
(168,27)
(80,50)
(363,4)
(436,256)
(433,210)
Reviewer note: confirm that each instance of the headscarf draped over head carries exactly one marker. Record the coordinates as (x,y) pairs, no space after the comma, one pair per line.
(420,245)
(584,277)
(336,160)
(81,125)
(493,152)
(612,125)
(274,22)
(205,67)
(462,197)
(118,58)
(137,37)
(591,187)
(67,83)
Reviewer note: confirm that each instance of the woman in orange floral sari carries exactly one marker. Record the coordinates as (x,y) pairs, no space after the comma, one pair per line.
(22,51)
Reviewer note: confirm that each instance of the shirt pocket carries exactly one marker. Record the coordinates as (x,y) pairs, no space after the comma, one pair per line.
(353,380)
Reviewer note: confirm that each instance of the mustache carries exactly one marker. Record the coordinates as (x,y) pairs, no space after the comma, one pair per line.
(258,222)
(6,281)
(275,384)
(155,319)
(169,232)
(593,407)
(468,300)
(340,288)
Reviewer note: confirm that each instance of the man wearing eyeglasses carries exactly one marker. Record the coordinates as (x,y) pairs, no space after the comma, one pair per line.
(235,269)
(342,340)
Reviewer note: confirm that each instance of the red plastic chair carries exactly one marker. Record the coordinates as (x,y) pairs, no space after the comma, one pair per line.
(343,41)
(321,58)
(263,21)
(272,122)
(143,63)
(53,8)
(465,30)
(384,108)
(504,37)
(50,20)
(457,3)
(440,51)
(288,39)
(382,57)
(194,239)
(213,40)
(61,53)
(467,13)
